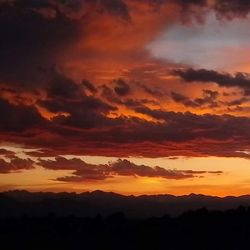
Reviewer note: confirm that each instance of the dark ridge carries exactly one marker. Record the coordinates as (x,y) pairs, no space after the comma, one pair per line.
(18,203)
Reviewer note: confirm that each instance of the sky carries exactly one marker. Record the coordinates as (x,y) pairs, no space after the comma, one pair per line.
(129,96)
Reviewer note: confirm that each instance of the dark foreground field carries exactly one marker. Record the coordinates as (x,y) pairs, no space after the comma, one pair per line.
(201,229)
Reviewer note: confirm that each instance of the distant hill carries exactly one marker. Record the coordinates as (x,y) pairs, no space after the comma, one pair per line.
(91,204)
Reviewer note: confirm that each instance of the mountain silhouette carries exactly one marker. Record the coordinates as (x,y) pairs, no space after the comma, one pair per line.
(90,204)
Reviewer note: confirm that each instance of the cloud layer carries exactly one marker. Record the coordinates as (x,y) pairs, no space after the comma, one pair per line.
(76,78)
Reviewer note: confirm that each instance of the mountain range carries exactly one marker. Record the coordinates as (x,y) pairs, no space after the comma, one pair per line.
(90,204)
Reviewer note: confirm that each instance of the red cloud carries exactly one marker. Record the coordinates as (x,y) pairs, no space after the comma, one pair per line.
(15,165)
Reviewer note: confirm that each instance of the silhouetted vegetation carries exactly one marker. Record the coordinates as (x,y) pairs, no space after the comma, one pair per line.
(201,229)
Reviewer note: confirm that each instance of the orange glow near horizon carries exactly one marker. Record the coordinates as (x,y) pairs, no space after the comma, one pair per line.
(233,180)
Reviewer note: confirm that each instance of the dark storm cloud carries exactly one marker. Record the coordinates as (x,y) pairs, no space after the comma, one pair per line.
(110,95)
(188,126)
(61,86)
(177,97)
(86,127)
(224,8)
(208,99)
(34,34)
(156,92)
(90,172)
(66,96)
(72,9)
(87,112)
(30,42)
(89,86)
(210,94)
(239,101)
(184,3)
(18,118)
(232,8)
(121,88)
(132,103)
(188,2)
(176,134)
(241,80)
(115,7)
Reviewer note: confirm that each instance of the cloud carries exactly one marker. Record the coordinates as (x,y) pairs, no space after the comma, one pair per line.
(36,35)
(83,171)
(15,165)
(59,59)
(208,99)
(86,128)
(241,80)
(238,101)
(6,152)
(152,91)
(132,103)
(185,126)
(127,168)
(232,8)
(116,7)
(30,45)
(29,42)
(66,96)
(215,172)
(61,86)
(171,134)
(18,118)
(177,97)
(109,94)
(89,86)
(121,88)
(213,130)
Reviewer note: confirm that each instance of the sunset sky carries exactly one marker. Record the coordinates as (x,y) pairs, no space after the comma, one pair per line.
(130,96)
